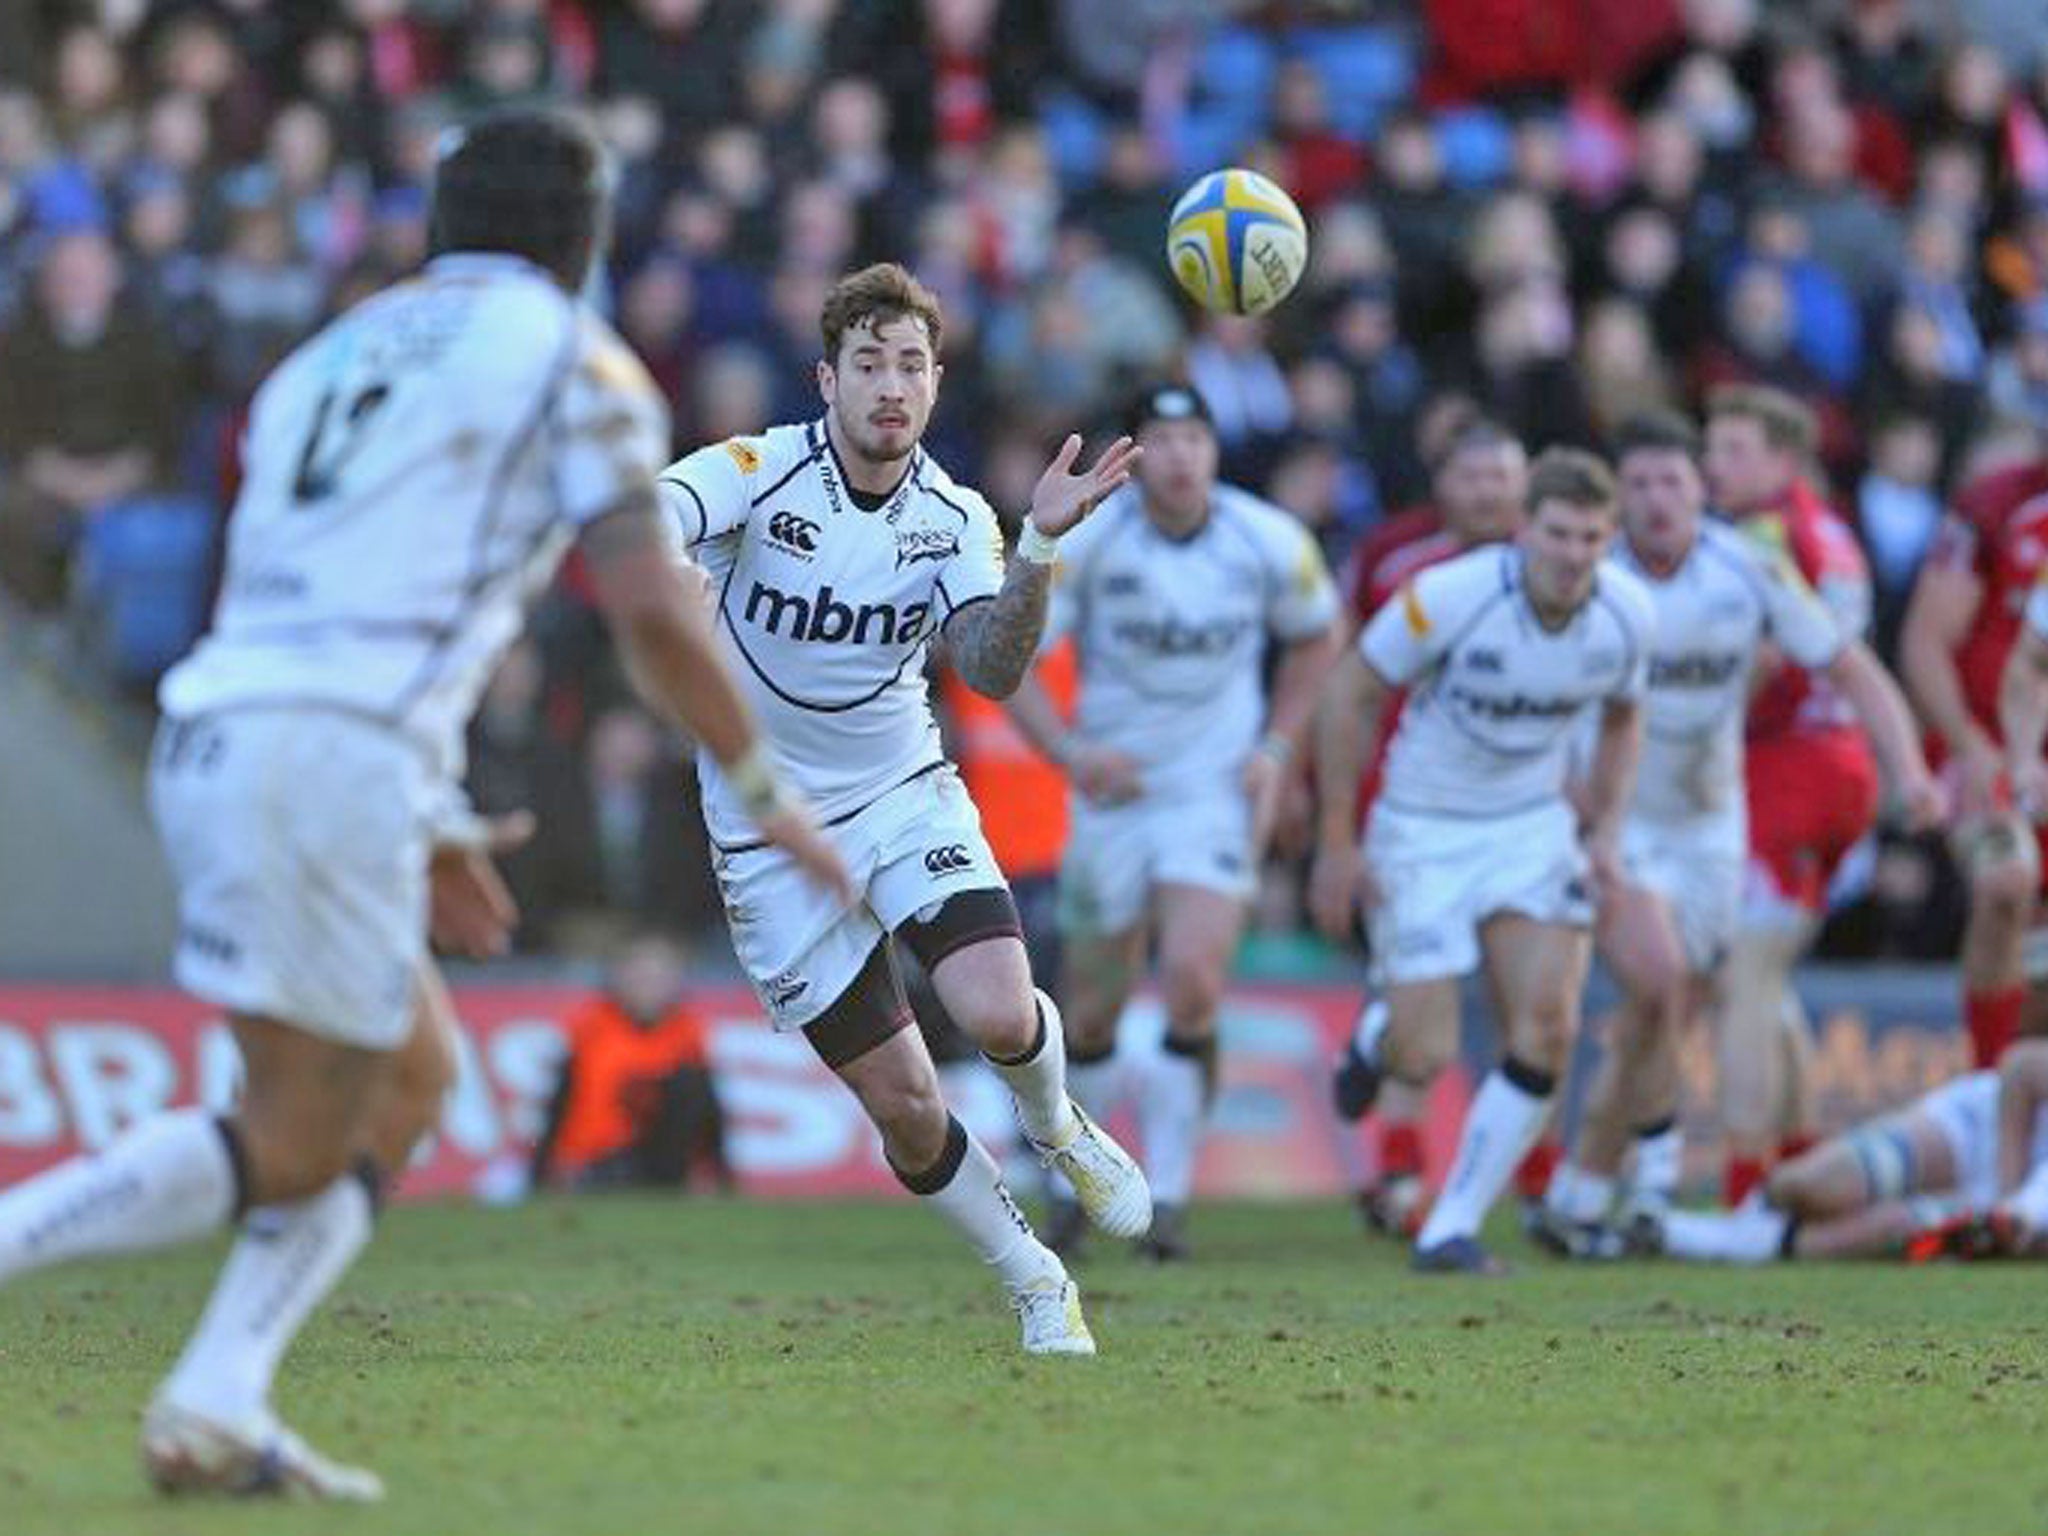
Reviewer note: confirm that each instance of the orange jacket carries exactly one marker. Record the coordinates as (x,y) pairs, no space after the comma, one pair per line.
(1021,796)
(614,1068)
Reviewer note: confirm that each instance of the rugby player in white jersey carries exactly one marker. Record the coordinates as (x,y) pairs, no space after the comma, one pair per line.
(1178,753)
(1473,852)
(839,552)
(1960,1172)
(1720,596)
(413,475)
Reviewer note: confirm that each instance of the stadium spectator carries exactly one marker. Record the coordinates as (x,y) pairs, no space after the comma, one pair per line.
(88,414)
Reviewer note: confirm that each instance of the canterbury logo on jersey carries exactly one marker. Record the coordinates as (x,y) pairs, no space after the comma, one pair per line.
(1176,637)
(793,535)
(949,860)
(823,619)
(1697,669)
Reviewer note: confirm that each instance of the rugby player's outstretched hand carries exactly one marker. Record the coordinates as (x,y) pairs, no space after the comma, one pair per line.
(1338,885)
(470,911)
(790,828)
(1062,497)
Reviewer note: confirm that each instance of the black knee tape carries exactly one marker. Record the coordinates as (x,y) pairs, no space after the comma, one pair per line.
(1534,1081)
(940,1174)
(366,1173)
(1655,1128)
(238,1164)
(871,1009)
(1195,1050)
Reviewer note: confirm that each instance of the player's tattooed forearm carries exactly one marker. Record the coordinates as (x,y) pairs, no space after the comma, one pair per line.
(993,642)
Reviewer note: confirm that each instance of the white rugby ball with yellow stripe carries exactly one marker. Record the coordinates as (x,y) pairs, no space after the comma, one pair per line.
(1236,242)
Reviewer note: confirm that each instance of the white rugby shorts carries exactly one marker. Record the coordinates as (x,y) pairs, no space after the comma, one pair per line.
(1441,877)
(907,852)
(1117,854)
(299,843)
(1697,867)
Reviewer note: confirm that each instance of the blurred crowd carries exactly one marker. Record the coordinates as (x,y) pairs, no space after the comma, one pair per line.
(1562,210)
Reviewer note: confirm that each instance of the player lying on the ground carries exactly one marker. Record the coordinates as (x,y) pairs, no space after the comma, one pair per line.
(840,551)
(1175,592)
(1721,597)
(415,472)
(1473,853)
(1975,1146)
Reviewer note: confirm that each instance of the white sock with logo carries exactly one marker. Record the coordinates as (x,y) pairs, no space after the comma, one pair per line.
(966,1188)
(1038,1080)
(285,1262)
(1170,1104)
(171,1179)
(1660,1160)
(1506,1117)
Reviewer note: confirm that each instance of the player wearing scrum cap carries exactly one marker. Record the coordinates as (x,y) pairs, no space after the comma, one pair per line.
(1473,853)
(413,474)
(840,551)
(1720,597)
(1173,592)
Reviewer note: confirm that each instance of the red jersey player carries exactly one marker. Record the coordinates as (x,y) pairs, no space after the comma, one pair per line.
(1480,483)
(1965,614)
(1812,783)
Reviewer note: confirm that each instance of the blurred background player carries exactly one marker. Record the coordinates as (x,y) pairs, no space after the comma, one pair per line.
(1917,1181)
(1812,783)
(413,474)
(1720,598)
(839,551)
(635,1104)
(1959,630)
(1480,486)
(1473,851)
(1178,754)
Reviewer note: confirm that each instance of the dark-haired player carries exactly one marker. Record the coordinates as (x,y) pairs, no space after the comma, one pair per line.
(414,473)
(839,552)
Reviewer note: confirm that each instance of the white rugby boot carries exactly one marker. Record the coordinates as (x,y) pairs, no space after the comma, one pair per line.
(1049,1309)
(1106,1179)
(186,1452)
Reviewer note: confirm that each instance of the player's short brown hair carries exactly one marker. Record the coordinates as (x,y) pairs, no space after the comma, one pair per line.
(874,296)
(1787,423)
(1657,432)
(1571,475)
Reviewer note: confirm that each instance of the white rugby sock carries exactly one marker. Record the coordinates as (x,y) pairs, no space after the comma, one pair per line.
(1660,1161)
(171,1179)
(1577,1194)
(966,1188)
(1038,1080)
(1170,1119)
(1096,1085)
(1371,1027)
(1507,1115)
(1755,1234)
(285,1262)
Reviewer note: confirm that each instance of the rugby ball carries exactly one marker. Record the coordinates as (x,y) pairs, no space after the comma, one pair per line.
(1236,242)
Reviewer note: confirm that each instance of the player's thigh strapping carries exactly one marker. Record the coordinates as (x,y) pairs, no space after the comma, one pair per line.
(299,843)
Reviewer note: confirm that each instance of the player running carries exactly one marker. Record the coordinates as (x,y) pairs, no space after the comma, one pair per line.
(1961,1170)
(413,475)
(1173,591)
(1481,486)
(1959,630)
(839,552)
(1812,784)
(1720,598)
(1473,851)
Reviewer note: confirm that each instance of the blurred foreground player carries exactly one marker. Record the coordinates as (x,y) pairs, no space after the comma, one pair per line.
(840,551)
(1474,854)
(414,473)
(1177,757)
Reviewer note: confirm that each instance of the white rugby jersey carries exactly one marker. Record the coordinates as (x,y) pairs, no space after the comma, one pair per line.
(412,476)
(1171,633)
(828,608)
(1494,697)
(1726,598)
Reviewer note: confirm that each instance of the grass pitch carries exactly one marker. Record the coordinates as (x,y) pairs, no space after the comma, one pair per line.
(629,1365)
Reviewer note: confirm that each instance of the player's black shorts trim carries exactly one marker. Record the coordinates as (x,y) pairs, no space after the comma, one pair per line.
(965,918)
(871,1009)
